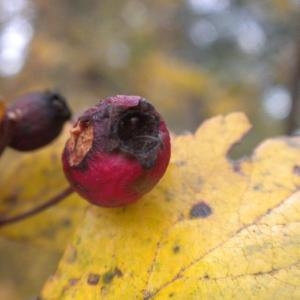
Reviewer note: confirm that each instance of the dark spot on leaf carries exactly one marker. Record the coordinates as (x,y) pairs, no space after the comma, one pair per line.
(66,222)
(109,276)
(257,187)
(180,163)
(236,165)
(118,272)
(296,170)
(73,281)
(176,249)
(206,276)
(171,295)
(147,295)
(93,279)
(200,210)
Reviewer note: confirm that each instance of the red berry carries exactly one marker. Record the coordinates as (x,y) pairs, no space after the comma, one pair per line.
(38,119)
(117,152)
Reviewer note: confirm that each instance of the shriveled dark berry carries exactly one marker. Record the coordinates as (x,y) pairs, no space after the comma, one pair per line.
(38,117)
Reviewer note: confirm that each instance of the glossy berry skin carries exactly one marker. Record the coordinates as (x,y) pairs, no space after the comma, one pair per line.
(117,152)
(38,119)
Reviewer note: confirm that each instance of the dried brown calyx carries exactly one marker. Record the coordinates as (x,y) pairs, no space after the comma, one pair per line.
(80,142)
(130,129)
(137,133)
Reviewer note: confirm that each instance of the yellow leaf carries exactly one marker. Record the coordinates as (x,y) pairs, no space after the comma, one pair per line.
(212,229)
(28,180)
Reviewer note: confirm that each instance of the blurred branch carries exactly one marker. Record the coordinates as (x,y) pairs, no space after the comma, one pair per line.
(49,203)
(294,116)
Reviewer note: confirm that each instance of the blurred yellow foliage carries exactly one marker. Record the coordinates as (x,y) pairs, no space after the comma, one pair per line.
(28,180)
(185,94)
(212,229)
(282,7)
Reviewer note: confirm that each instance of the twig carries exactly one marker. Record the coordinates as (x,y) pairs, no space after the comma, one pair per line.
(52,201)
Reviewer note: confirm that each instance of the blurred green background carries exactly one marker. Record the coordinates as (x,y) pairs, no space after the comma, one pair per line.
(192,58)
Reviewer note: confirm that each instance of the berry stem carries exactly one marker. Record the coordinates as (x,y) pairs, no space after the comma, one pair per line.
(52,201)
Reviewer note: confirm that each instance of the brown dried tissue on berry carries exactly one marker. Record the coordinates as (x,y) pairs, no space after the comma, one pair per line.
(80,143)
